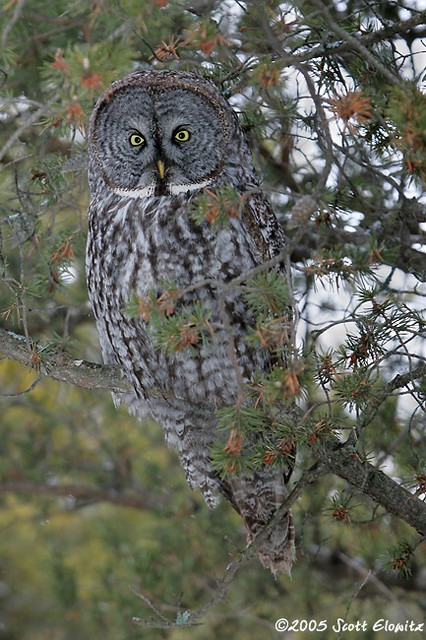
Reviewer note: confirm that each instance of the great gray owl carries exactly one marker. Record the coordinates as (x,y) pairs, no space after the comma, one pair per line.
(157,139)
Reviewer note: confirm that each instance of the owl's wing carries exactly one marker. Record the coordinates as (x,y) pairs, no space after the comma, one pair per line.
(263,225)
(257,496)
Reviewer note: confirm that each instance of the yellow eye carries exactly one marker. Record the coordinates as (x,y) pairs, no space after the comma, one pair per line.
(136,140)
(182,135)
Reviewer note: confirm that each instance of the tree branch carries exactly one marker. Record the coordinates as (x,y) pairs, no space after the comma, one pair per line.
(376,484)
(403,257)
(367,478)
(356,44)
(402,27)
(62,367)
(9,25)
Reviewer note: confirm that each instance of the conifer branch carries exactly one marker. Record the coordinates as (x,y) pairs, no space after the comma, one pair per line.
(365,39)
(356,44)
(328,559)
(375,483)
(60,366)
(28,122)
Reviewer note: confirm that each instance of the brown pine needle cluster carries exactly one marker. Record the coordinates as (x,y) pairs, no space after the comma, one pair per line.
(59,63)
(63,253)
(169,50)
(92,81)
(353,109)
(341,514)
(234,443)
(208,38)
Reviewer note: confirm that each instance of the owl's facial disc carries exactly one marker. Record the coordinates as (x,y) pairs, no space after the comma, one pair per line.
(153,143)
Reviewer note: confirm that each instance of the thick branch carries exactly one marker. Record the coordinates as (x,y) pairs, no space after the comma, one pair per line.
(60,366)
(376,484)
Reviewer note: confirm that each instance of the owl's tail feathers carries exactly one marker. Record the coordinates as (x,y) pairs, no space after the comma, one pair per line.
(277,551)
(257,498)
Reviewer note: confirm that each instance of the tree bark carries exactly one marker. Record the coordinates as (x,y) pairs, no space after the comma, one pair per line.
(376,484)
(62,367)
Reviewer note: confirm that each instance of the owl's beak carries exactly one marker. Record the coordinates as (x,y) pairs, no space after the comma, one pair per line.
(161,169)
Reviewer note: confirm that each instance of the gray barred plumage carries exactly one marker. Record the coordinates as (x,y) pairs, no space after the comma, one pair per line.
(157,139)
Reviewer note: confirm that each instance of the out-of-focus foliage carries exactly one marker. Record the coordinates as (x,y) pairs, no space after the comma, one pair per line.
(96,517)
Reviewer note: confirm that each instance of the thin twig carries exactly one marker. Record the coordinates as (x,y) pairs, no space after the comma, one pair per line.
(30,388)
(355,43)
(290,59)
(28,122)
(9,25)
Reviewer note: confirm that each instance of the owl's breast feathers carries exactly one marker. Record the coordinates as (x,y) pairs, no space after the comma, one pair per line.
(140,245)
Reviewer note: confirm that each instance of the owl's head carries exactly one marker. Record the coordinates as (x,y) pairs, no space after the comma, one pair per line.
(161,133)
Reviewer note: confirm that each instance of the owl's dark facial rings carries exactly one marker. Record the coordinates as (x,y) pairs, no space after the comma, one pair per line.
(158,141)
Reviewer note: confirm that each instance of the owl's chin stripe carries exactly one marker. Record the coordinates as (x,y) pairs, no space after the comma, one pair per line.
(175,189)
(144,192)
(172,189)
